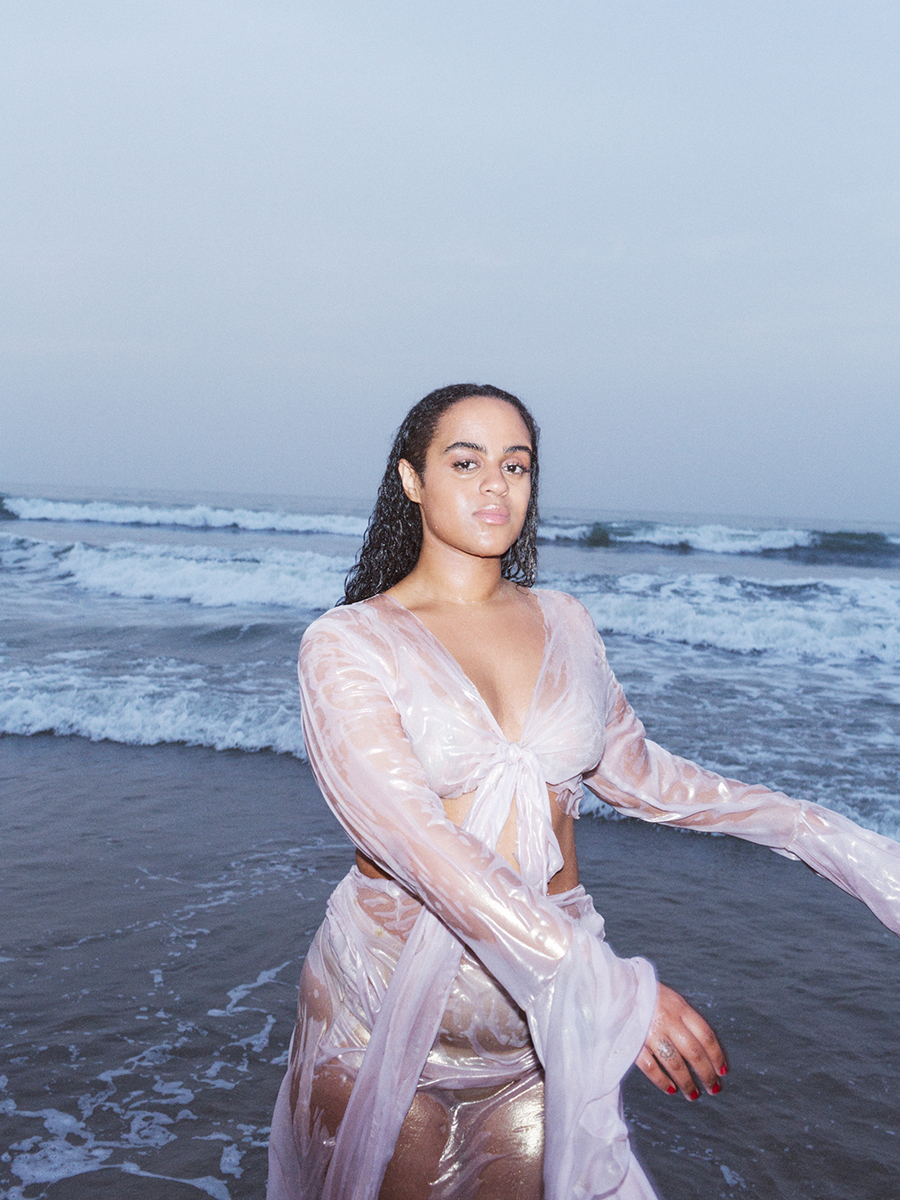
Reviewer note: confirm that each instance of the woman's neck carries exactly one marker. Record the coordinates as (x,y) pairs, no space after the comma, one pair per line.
(454,578)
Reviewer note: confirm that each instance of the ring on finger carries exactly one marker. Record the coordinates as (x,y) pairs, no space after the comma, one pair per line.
(665,1050)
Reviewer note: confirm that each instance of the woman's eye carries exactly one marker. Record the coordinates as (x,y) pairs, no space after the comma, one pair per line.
(465,464)
(517,468)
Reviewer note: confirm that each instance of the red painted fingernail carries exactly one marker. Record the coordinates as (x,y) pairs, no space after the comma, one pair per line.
(695,1095)
(671,1089)
(723,1070)
(716,1088)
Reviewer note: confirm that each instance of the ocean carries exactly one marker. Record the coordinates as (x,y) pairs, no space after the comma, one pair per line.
(167,860)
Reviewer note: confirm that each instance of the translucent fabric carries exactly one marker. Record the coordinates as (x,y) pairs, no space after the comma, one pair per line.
(641,779)
(460,1033)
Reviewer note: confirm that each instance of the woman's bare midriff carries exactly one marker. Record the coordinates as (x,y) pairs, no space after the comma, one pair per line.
(563,827)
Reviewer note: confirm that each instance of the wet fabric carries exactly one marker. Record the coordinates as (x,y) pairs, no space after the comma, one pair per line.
(461,1006)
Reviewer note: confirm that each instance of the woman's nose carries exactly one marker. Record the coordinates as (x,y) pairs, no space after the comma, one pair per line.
(494,481)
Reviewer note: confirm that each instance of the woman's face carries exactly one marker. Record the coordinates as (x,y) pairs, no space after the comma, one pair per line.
(477,482)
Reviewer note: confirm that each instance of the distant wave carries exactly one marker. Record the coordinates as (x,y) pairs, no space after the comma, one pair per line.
(866,548)
(800,545)
(198,516)
(203,575)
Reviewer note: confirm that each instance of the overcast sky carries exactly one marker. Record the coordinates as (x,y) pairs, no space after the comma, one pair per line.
(240,238)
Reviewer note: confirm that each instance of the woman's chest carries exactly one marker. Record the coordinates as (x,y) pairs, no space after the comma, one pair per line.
(500,656)
(458,740)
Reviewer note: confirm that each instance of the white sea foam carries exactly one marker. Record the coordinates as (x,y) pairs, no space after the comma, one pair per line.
(718,539)
(202,575)
(54,1157)
(560,531)
(198,516)
(845,619)
(155,703)
(708,539)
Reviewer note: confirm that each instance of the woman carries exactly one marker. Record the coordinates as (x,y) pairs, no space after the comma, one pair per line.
(463,1027)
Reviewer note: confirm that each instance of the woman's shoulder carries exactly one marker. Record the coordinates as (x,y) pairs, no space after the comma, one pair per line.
(567,616)
(363,624)
(563,606)
(342,617)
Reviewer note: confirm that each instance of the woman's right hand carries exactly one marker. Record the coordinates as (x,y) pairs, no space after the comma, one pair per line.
(681,1049)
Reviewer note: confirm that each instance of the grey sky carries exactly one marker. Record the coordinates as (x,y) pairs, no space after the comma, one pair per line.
(239,239)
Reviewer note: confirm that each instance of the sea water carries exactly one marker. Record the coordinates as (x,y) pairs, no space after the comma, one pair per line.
(770,653)
(147,623)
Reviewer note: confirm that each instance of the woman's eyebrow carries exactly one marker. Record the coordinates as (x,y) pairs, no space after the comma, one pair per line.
(482,450)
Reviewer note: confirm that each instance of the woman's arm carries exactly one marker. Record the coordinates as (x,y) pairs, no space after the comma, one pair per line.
(641,779)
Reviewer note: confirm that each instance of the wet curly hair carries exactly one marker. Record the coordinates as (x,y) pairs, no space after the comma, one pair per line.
(393,539)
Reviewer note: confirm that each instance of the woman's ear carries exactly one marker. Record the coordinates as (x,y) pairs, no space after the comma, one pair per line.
(410,480)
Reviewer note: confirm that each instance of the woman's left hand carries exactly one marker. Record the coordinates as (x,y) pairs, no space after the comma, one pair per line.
(681,1049)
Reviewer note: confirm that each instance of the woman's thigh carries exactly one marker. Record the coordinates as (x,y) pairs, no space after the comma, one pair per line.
(484,1145)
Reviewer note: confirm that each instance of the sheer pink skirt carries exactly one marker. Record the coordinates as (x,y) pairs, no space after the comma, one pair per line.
(475,1130)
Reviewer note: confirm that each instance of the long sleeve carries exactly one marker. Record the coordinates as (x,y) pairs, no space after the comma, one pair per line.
(588,1010)
(640,778)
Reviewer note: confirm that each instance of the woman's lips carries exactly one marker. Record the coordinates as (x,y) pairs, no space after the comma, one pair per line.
(493,516)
